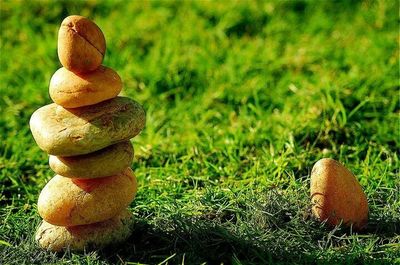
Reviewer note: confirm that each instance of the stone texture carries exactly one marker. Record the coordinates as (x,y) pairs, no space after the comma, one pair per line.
(69,132)
(85,237)
(69,202)
(104,162)
(81,44)
(336,195)
(72,90)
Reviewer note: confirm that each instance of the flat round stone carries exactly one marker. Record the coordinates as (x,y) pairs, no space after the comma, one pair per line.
(104,162)
(85,237)
(69,132)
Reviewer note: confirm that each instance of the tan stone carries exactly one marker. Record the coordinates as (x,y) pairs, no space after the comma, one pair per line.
(81,44)
(69,132)
(105,162)
(336,195)
(72,90)
(85,237)
(69,202)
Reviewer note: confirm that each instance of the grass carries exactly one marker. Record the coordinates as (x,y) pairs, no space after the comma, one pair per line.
(242,98)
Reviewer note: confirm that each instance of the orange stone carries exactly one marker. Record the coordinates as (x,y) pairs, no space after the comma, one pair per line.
(72,90)
(69,202)
(81,44)
(337,196)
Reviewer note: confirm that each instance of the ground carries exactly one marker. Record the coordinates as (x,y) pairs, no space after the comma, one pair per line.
(242,98)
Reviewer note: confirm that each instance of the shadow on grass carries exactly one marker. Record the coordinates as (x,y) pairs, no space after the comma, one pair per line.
(194,241)
(202,241)
(199,240)
(280,231)
(383,228)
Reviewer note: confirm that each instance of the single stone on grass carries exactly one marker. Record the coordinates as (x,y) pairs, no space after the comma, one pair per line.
(85,237)
(104,162)
(337,196)
(69,202)
(72,90)
(70,132)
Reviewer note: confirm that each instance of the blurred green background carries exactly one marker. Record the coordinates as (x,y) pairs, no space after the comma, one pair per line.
(242,98)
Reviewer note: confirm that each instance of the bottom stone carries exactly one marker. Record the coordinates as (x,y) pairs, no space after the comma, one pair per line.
(91,236)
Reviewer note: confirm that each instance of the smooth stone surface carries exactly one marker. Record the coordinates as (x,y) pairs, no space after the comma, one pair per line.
(81,44)
(336,195)
(85,237)
(69,132)
(69,202)
(105,162)
(72,90)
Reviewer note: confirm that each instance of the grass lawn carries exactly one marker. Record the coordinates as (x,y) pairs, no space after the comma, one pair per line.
(242,98)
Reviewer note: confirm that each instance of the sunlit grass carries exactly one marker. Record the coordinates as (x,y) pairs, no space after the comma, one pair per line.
(242,98)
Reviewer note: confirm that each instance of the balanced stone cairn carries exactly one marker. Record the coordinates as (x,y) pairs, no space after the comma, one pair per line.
(86,133)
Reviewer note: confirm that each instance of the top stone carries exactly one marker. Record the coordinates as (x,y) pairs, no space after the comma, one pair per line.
(81,44)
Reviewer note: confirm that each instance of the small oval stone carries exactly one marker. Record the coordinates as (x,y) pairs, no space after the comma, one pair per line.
(104,162)
(85,237)
(81,44)
(69,202)
(72,90)
(69,132)
(336,195)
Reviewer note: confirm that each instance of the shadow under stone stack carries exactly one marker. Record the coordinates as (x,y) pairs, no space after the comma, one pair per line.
(86,132)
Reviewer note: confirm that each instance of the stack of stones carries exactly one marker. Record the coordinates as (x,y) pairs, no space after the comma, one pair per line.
(86,132)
